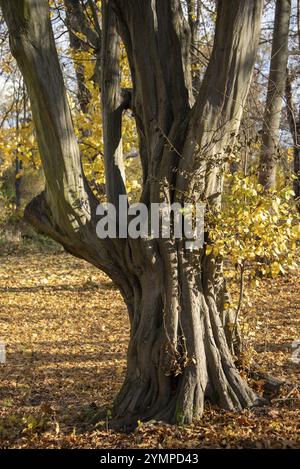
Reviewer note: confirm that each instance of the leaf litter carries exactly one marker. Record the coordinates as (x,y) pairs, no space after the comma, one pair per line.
(66,331)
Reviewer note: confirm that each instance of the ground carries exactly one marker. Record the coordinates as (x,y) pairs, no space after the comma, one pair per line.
(66,331)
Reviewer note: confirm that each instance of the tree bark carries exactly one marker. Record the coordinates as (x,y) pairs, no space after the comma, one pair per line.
(294,124)
(83,94)
(193,10)
(80,26)
(112,106)
(178,355)
(275,93)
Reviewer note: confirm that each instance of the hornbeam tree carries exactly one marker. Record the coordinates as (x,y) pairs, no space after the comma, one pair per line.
(178,355)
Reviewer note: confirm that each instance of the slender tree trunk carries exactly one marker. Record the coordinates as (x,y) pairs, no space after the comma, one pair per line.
(18,163)
(297,170)
(112,106)
(83,94)
(80,27)
(178,355)
(294,124)
(275,93)
(18,181)
(193,9)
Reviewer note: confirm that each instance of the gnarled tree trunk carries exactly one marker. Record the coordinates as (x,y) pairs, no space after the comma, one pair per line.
(178,355)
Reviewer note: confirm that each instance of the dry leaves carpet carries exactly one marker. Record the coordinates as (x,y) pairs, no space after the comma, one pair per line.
(65,328)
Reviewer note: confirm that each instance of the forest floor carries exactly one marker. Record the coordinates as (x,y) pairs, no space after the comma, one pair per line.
(66,331)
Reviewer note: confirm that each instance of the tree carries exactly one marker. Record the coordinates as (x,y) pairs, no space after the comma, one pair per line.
(294,125)
(178,355)
(16,140)
(275,93)
(73,11)
(294,120)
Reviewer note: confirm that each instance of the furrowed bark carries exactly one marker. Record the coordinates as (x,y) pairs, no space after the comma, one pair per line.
(275,93)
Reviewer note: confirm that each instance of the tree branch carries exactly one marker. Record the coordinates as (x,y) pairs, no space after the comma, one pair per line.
(79,23)
(112,107)
(157,40)
(218,109)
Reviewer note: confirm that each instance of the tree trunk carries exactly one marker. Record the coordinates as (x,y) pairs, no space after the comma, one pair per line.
(297,171)
(275,93)
(178,355)
(193,11)
(294,124)
(18,181)
(80,27)
(83,93)
(112,106)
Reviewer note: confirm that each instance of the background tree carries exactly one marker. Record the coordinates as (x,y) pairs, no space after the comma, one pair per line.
(74,19)
(293,114)
(275,94)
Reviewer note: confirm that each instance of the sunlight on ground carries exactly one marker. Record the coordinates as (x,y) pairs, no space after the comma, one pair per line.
(66,331)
